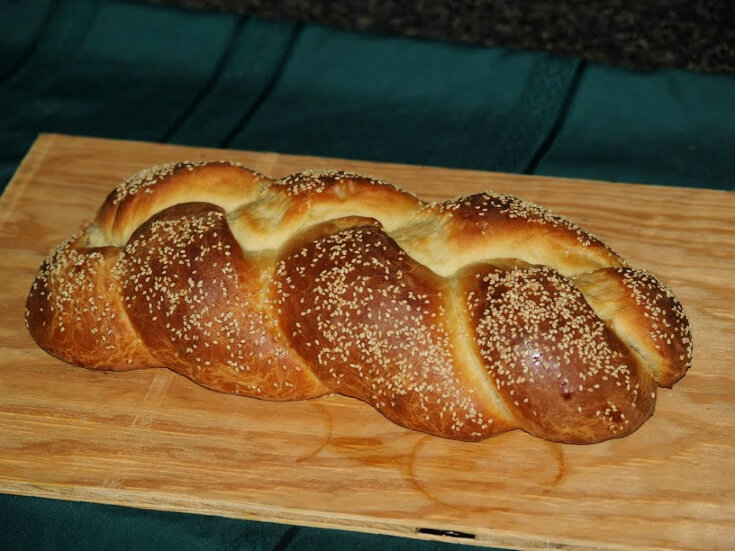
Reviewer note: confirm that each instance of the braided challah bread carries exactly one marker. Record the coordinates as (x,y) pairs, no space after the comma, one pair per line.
(462,319)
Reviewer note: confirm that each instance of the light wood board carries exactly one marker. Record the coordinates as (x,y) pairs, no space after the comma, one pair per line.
(153,439)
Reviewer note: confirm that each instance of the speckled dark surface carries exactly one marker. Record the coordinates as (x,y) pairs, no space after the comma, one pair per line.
(696,34)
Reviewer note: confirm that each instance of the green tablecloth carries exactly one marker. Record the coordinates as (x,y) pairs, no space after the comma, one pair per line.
(127,70)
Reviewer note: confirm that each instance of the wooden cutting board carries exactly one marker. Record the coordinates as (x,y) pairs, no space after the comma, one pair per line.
(153,439)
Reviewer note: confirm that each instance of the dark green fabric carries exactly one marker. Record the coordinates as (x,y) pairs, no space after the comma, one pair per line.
(416,102)
(35,523)
(673,128)
(126,70)
(32,523)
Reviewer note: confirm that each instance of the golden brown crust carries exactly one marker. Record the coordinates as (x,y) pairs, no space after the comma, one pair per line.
(374,324)
(193,296)
(551,358)
(496,225)
(154,189)
(462,319)
(74,310)
(646,315)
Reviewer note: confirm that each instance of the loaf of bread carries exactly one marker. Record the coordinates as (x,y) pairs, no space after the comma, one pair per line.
(462,319)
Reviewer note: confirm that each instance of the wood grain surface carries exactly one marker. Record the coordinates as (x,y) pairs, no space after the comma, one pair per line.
(153,439)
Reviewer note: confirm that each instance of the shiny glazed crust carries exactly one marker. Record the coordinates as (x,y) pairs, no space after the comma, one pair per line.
(462,319)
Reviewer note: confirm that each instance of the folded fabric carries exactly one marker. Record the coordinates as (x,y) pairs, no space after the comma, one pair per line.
(125,70)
